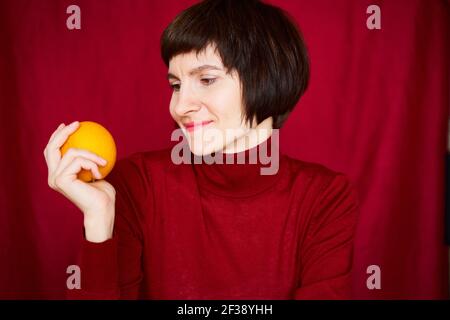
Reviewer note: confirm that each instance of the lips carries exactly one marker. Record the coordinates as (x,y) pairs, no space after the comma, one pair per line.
(191,126)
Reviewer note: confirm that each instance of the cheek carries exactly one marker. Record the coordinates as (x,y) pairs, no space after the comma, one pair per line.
(226,104)
(171,108)
(230,110)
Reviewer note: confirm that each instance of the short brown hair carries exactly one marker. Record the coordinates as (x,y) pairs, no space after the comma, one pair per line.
(260,41)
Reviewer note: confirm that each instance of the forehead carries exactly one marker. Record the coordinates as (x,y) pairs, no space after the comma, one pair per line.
(190,60)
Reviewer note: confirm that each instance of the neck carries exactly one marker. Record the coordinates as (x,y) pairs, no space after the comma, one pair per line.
(252,138)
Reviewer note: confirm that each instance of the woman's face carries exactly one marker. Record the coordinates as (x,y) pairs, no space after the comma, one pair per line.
(206,101)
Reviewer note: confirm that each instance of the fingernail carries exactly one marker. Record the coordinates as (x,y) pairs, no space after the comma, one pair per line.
(104,161)
(73,123)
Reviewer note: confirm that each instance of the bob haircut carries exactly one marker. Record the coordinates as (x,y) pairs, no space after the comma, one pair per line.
(260,41)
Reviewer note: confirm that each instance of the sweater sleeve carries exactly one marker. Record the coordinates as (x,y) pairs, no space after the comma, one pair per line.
(112,269)
(327,251)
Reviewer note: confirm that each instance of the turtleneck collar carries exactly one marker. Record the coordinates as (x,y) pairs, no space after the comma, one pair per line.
(240,174)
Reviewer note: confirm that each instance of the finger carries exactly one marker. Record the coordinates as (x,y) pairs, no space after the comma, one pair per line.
(52,150)
(73,153)
(62,125)
(71,171)
(61,136)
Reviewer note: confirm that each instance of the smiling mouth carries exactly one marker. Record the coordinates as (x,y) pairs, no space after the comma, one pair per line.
(191,126)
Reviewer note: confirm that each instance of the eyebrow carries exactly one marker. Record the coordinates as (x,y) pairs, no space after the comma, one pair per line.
(195,70)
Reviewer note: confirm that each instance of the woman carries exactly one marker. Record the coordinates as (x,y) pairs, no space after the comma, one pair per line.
(161,229)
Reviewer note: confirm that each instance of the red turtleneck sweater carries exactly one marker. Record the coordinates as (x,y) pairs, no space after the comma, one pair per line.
(223,231)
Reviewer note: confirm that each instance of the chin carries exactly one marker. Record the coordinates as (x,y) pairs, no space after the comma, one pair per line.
(204,149)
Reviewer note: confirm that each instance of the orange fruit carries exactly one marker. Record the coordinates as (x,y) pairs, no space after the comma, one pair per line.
(95,138)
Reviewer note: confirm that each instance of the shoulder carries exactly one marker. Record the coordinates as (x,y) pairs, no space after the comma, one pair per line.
(139,169)
(146,160)
(319,178)
(330,197)
(311,170)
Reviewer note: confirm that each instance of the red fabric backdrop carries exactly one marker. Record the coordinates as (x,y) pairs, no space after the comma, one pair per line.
(376,109)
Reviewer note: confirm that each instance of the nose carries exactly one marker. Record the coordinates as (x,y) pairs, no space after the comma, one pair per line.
(187,102)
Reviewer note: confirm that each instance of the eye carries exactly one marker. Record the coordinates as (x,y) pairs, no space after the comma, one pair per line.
(174,86)
(208,81)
